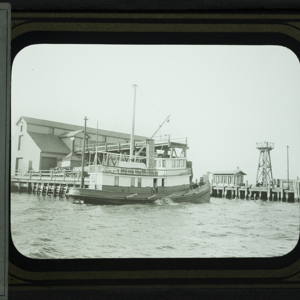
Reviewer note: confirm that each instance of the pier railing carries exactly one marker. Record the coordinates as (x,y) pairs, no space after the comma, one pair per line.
(59,175)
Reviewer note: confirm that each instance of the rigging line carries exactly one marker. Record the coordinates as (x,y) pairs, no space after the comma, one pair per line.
(150,102)
(121,110)
(148,106)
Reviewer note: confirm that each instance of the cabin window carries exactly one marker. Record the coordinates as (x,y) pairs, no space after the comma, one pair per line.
(20,142)
(164,163)
(116,180)
(139,182)
(132,181)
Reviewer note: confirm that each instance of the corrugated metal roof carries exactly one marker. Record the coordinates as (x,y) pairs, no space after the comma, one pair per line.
(71,127)
(49,143)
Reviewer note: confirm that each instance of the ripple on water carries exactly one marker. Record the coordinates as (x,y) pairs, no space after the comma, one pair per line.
(47,227)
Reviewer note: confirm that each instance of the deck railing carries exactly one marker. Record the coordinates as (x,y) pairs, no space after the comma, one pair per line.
(125,146)
(131,171)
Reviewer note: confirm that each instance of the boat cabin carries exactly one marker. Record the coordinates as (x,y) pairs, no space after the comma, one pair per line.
(162,166)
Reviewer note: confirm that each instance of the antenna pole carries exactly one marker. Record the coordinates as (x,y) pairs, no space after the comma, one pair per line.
(287,149)
(133,121)
(83,153)
(96,154)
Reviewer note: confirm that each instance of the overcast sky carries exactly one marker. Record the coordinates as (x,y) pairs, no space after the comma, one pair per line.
(224,99)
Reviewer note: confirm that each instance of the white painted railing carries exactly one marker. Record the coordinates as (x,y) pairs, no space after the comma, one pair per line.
(61,175)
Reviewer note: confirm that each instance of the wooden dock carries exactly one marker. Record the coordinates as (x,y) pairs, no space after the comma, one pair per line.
(47,182)
(258,192)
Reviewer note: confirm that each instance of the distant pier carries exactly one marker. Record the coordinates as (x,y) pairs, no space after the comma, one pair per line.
(269,193)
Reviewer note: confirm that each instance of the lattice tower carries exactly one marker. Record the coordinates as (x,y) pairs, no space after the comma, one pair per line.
(264,172)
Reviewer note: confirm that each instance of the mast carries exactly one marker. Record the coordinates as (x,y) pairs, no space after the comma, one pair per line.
(96,154)
(83,154)
(288,183)
(133,121)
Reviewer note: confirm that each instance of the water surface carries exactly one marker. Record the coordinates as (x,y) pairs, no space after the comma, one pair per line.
(54,227)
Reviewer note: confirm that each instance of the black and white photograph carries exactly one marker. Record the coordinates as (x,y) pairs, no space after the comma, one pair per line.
(155,151)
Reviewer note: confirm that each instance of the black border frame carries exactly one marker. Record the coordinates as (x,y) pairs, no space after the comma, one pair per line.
(164,265)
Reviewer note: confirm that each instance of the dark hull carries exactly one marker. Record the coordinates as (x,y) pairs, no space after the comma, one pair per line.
(89,196)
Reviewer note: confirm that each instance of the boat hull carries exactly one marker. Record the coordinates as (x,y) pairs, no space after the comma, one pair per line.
(89,196)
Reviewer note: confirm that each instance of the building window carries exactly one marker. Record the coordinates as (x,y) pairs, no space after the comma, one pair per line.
(139,182)
(159,163)
(132,181)
(30,165)
(116,180)
(164,163)
(19,165)
(229,179)
(173,163)
(162,182)
(21,128)
(178,163)
(20,142)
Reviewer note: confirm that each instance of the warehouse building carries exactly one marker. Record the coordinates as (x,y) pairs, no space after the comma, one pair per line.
(42,144)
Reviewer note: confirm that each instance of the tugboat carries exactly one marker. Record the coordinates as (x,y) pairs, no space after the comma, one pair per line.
(157,170)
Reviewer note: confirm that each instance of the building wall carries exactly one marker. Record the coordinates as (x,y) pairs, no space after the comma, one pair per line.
(29,152)
(45,155)
(68,142)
